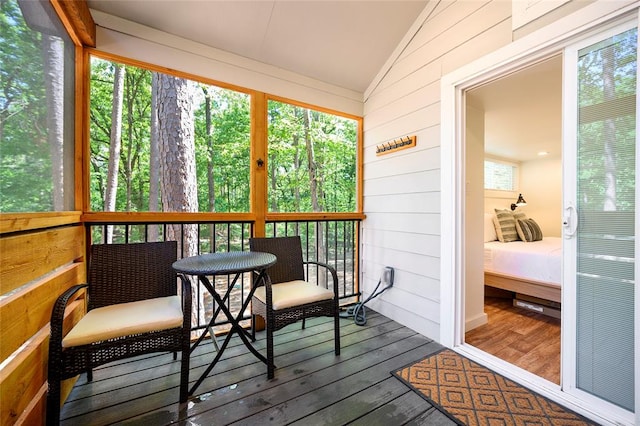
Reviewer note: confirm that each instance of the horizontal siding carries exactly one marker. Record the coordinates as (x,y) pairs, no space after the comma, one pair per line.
(410,242)
(411,160)
(404,105)
(479,46)
(403,183)
(426,202)
(416,122)
(448,14)
(402,191)
(426,75)
(427,224)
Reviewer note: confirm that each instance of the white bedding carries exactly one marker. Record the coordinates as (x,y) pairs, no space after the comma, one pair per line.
(538,260)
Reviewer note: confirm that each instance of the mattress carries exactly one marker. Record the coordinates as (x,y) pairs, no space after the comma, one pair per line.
(537,260)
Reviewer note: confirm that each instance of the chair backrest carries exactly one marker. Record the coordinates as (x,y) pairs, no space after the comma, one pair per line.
(121,273)
(288,250)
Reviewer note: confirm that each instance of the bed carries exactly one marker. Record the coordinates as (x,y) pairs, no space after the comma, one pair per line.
(525,268)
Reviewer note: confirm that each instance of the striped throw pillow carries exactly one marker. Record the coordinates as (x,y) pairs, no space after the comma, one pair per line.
(530,230)
(517,216)
(505,226)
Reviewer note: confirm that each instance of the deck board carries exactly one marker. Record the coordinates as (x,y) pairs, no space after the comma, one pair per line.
(311,384)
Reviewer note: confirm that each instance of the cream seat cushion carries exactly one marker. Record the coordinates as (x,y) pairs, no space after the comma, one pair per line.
(125,319)
(293,293)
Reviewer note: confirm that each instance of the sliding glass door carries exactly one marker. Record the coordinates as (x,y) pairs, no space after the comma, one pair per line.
(599,200)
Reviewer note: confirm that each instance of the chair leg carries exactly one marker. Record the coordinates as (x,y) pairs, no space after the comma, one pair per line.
(87,362)
(184,373)
(303,322)
(270,366)
(336,331)
(53,402)
(253,327)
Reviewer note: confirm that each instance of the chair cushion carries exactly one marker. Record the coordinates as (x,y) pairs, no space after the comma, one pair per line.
(126,319)
(293,293)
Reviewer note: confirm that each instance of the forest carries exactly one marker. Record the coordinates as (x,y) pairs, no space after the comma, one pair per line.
(158,142)
(182,145)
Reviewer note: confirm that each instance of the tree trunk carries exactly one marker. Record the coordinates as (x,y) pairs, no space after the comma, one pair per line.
(274,187)
(154,158)
(210,154)
(53,55)
(316,191)
(315,186)
(129,160)
(114,145)
(178,165)
(296,172)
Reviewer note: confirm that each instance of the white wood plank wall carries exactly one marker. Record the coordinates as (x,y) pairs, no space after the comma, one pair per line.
(402,190)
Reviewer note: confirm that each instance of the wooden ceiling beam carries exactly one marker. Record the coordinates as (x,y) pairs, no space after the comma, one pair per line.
(76,17)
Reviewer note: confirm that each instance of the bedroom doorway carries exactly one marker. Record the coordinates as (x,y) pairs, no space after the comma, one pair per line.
(513,124)
(599,321)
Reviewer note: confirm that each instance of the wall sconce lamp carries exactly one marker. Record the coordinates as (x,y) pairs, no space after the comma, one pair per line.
(519,203)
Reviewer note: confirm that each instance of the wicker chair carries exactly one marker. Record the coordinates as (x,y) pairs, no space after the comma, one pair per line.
(287,297)
(133,309)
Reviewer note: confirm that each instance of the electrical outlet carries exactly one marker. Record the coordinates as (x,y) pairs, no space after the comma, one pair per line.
(387,275)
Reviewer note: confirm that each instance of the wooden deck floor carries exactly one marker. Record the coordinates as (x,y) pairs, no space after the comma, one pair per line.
(311,386)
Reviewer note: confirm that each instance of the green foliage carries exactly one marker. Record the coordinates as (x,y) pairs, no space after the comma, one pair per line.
(334,143)
(228,153)
(222,146)
(228,156)
(133,181)
(607,143)
(26,183)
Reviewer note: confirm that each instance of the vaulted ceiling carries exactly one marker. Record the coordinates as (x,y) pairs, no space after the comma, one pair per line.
(344,43)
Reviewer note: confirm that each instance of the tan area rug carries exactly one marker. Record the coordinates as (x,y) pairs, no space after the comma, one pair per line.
(471,394)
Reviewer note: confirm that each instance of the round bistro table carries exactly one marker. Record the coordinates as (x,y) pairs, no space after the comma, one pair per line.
(228,263)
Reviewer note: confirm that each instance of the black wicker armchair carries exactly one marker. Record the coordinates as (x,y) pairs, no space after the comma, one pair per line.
(287,297)
(133,309)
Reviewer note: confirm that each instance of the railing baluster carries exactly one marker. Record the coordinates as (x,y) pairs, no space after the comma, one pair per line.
(336,248)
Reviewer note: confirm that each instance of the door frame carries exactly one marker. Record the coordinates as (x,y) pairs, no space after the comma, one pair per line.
(535,47)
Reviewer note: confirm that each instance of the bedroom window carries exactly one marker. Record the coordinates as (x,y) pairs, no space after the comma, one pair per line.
(500,175)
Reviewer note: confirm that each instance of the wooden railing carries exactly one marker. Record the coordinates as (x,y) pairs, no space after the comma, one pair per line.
(332,241)
(41,255)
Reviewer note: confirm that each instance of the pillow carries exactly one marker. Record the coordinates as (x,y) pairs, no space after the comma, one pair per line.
(519,216)
(505,226)
(489,228)
(530,230)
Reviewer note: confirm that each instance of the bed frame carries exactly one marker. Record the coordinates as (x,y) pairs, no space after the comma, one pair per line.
(538,289)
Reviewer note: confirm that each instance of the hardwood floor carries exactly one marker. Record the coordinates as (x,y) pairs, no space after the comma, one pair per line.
(521,337)
(311,386)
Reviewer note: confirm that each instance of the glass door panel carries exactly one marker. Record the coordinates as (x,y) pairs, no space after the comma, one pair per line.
(601,219)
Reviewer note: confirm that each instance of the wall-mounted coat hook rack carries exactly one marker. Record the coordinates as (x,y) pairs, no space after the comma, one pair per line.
(395,145)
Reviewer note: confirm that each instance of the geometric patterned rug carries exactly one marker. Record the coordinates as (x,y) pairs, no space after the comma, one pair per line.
(471,394)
